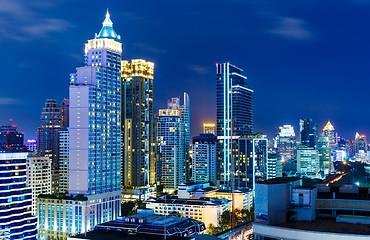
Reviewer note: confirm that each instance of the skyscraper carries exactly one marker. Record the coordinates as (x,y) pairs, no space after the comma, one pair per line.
(47,138)
(204,158)
(138,126)
(234,114)
(209,128)
(185,118)
(11,140)
(285,142)
(17,221)
(308,133)
(171,141)
(331,134)
(94,143)
(360,143)
(64,160)
(64,111)
(308,163)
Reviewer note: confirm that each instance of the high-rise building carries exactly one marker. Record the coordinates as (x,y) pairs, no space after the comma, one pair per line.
(94,143)
(234,114)
(204,158)
(308,163)
(32,146)
(209,128)
(47,139)
(64,111)
(64,160)
(331,134)
(138,126)
(11,140)
(308,133)
(17,221)
(171,141)
(38,177)
(360,143)
(185,118)
(285,142)
(325,156)
(250,154)
(274,167)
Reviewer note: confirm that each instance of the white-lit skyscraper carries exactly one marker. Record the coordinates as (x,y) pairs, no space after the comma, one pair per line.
(204,158)
(285,142)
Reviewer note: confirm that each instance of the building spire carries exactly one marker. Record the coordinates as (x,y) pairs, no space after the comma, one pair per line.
(107,30)
(107,21)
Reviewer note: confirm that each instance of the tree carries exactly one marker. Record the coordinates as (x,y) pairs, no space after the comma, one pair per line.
(212,230)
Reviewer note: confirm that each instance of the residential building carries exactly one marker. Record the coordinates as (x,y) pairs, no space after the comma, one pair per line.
(206,210)
(17,221)
(38,177)
(171,141)
(308,133)
(308,163)
(64,111)
(64,160)
(47,138)
(11,140)
(251,154)
(234,115)
(204,158)
(274,166)
(94,143)
(138,126)
(209,128)
(285,142)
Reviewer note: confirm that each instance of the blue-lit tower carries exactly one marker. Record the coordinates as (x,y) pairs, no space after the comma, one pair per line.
(234,114)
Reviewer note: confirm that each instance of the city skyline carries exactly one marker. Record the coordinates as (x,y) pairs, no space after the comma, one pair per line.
(265,42)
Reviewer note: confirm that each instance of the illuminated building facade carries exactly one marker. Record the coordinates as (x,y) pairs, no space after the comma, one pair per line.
(325,156)
(16,217)
(308,163)
(32,146)
(185,118)
(308,133)
(209,128)
(274,167)
(64,160)
(251,154)
(38,177)
(285,142)
(204,158)
(332,136)
(47,138)
(138,126)
(234,114)
(11,140)
(94,141)
(171,142)
(64,111)
(360,143)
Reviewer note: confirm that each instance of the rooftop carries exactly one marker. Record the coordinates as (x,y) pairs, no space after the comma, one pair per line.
(329,225)
(117,235)
(280,180)
(199,202)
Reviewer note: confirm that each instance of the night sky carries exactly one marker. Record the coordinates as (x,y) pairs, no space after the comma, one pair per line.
(302,58)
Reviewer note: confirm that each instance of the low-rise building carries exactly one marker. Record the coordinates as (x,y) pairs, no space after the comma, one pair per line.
(38,177)
(207,210)
(239,199)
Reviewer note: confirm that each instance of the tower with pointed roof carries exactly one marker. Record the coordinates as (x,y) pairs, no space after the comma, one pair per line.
(94,142)
(331,135)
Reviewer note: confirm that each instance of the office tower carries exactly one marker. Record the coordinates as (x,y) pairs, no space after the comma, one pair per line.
(94,143)
(308,133)
(185,118)
(360,143)
(171,141)
(32,146)
(250,153)
(64,111)
(234,114)
(138,126)
(47,139)
(204,158)
(209,128)
(331,134)
(17,221)
(38,177)
(324,151)
(285,142)
(63,160)
(308,163)
(11,140)
(350,148)
(274,166)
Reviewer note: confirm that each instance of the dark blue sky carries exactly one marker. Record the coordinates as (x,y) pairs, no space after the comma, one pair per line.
(303,58)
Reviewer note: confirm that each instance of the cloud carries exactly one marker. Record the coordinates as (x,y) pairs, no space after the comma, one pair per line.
(292,29)
(22,20)
(9,101)
(148,48)
(198,69)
